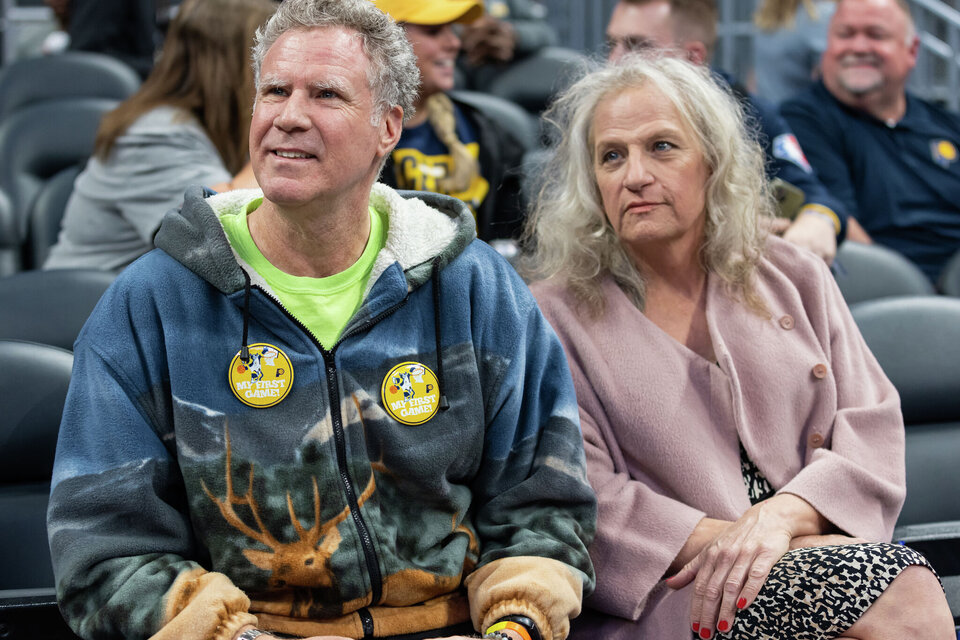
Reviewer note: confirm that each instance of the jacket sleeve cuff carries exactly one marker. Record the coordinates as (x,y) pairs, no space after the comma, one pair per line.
(546,591)
(204,606)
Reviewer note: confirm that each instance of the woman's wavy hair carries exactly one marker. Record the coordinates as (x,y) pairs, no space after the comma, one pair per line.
(204,69)
(392,73)
(567,234)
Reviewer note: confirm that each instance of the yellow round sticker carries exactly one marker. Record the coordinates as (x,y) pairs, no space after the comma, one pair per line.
(264,379)
(946,150)
(410,393)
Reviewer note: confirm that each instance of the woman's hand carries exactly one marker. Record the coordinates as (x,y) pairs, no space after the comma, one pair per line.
(729,572)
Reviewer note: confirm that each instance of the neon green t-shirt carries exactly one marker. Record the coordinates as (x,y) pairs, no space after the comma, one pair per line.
(323,305)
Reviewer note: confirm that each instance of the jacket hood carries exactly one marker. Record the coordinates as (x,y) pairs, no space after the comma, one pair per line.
(422,227)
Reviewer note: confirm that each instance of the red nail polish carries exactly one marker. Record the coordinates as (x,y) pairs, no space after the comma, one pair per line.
(705,633)
(723,625)
(741,603)
(696,627)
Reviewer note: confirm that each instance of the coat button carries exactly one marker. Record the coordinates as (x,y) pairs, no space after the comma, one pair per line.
(816,440)
(787,322)
(820,371)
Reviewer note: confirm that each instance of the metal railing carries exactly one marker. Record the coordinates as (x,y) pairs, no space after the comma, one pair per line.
(937,75)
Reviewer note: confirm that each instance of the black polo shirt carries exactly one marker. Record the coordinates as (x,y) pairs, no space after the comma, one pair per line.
(901,182)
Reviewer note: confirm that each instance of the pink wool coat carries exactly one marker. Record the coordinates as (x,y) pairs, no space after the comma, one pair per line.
(661,427)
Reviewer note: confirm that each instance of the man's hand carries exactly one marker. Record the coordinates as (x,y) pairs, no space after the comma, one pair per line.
(268,636)
(512,635)
(507,632)
(776,226)
(813,232)
(489,40)
(856,232)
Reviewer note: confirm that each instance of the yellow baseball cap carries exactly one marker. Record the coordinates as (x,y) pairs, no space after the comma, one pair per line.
(431,11)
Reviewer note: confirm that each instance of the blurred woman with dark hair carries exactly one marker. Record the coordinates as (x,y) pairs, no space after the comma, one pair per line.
(187,124)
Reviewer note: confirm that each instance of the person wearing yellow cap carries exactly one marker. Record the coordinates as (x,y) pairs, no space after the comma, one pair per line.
(449,147)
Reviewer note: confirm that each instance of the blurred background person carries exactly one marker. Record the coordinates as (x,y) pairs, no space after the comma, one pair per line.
(891,157)
(447,146)
(510,30)
(187,124)
(743,442)
(124,29)
(790,38)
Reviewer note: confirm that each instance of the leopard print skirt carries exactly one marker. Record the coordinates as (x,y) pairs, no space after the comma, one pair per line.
(819,592)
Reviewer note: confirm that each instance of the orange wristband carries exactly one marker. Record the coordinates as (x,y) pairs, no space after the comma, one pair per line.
(512,626)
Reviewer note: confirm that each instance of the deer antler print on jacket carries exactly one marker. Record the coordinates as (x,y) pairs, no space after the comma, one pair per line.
(302,563)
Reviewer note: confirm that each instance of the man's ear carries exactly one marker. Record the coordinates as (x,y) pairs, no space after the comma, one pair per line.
(391,126)
(695,51)
(914,51)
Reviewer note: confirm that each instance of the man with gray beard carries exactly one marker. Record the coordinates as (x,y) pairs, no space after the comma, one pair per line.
(890,156)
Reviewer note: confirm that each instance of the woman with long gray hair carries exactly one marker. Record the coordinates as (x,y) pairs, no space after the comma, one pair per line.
(745,447)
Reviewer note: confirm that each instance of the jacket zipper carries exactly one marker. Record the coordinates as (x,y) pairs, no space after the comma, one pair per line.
(369,553)
(373,567)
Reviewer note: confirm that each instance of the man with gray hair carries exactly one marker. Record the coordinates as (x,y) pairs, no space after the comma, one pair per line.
(891,157)
(321,409)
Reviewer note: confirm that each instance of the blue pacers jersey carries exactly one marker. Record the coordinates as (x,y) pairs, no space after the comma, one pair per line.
(900,181)
(421,160)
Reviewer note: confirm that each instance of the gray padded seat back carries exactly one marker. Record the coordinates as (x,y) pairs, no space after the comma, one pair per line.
(46,213)
(38,142)
(950,277)
(33,386)
(73,74)
(933,450)
(10,237)
(871,271)
(510,116)
(916,340)
(533,81)
(50,307)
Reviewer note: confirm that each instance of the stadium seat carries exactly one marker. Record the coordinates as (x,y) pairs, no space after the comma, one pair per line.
(33,386)
(10,240)
(45,215)
(533,81)
(511,117)
(950,277)
(50,307)
(74,74)
(39,142)
(870,271)
(917,342)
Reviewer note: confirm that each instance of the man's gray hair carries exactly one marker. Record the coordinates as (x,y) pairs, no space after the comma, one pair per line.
(393,75)
(568,231)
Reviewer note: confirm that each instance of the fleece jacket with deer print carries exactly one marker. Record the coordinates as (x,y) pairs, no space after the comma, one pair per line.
(199,487)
